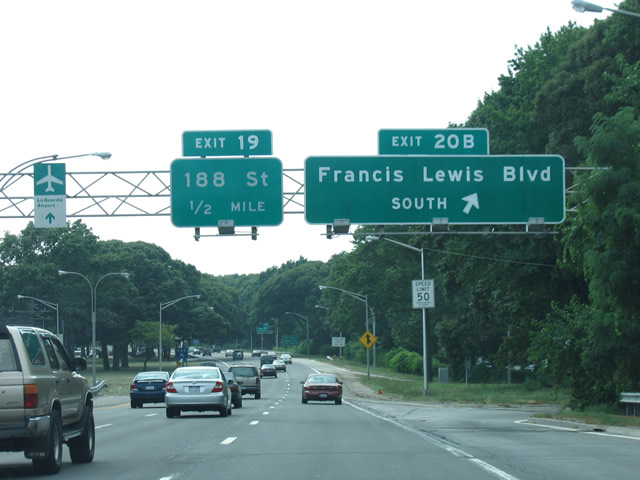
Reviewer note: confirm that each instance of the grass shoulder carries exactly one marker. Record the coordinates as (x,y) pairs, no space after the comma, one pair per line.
(410,388)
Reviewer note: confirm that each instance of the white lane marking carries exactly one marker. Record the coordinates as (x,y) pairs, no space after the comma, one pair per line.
(604,434)
(567,429)
(265,413)
(228,440)
(255,422)
(151,415)
(105,425)
(439,443)
(552,427)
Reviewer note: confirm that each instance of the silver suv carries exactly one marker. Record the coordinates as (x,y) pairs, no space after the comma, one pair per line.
(248,376)
(44,403)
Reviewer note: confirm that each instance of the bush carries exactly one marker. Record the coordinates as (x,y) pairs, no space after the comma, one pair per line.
(404,361)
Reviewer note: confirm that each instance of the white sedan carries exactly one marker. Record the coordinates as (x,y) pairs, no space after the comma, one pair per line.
(286,357)
(280,365)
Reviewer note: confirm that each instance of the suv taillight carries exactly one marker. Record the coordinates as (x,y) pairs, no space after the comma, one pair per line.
(31,396)
(133,387)
(257,380)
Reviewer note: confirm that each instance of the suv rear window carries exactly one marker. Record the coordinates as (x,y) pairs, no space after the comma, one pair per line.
(244,371)
(34,348)
(7,362)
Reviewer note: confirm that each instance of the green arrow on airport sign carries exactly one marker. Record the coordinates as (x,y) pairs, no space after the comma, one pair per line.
(475,189)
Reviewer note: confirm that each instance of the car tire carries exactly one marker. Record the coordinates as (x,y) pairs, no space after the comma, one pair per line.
(258,395)
(83,448)
(52,463)
(238,403)
(338,401)
(172,412)
(304,400)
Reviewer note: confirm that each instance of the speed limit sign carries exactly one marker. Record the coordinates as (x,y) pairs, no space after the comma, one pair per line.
(423,294)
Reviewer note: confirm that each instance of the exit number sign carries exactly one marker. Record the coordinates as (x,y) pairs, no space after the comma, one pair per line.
(448,141)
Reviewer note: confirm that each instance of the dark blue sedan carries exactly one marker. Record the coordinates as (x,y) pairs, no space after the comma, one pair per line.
(148,387)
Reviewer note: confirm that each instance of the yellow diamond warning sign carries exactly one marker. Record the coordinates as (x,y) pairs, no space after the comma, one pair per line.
(368,339)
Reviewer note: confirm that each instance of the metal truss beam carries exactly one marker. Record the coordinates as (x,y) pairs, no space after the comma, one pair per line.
(119,194)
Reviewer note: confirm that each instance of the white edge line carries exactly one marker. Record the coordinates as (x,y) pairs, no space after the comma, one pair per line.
(455,451)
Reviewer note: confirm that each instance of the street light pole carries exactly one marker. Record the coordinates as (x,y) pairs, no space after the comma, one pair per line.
(424,310)
(162,307)
(365,300)
(307,320)
(93,289)
(582,6)
(53,306)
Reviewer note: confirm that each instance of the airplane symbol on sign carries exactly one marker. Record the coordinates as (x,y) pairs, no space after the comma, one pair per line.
(49,179)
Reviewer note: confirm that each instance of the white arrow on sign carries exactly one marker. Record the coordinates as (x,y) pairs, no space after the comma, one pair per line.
(472,201)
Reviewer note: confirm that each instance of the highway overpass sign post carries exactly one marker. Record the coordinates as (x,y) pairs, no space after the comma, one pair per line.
(473,189)
(224,143)
(49,195)
(247,191)
(447,141)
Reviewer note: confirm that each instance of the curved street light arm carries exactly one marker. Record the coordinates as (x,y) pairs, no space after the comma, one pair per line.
(359,296)
(582,6)
(51,305)
(47,158)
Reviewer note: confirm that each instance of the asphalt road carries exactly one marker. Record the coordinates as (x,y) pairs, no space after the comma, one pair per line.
(279,438)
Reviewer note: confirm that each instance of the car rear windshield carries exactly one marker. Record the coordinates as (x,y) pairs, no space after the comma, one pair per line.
(323,379)
(206,373)
(243,371)
(152,377)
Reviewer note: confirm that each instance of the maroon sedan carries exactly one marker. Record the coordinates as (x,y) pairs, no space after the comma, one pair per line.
(322,387)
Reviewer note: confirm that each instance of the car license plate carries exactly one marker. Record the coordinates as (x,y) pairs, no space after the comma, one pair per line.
(150,387)
(323,395)
(193,389)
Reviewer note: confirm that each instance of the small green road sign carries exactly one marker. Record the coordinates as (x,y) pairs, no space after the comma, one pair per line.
(50,197)
(290,340)
(224,143)
(448,141)
(262,328)
(247,191)
(474,189)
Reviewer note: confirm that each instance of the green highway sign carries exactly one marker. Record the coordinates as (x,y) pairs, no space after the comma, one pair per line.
(475,189)
(49,195)
(448,141)
(224,143)
(247,191)
(290,340)
(263,328)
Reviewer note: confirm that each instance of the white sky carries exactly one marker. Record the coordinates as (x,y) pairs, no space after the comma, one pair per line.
(129,76)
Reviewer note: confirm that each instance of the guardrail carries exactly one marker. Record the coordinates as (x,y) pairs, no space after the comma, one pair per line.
(98,387)
(631,401)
